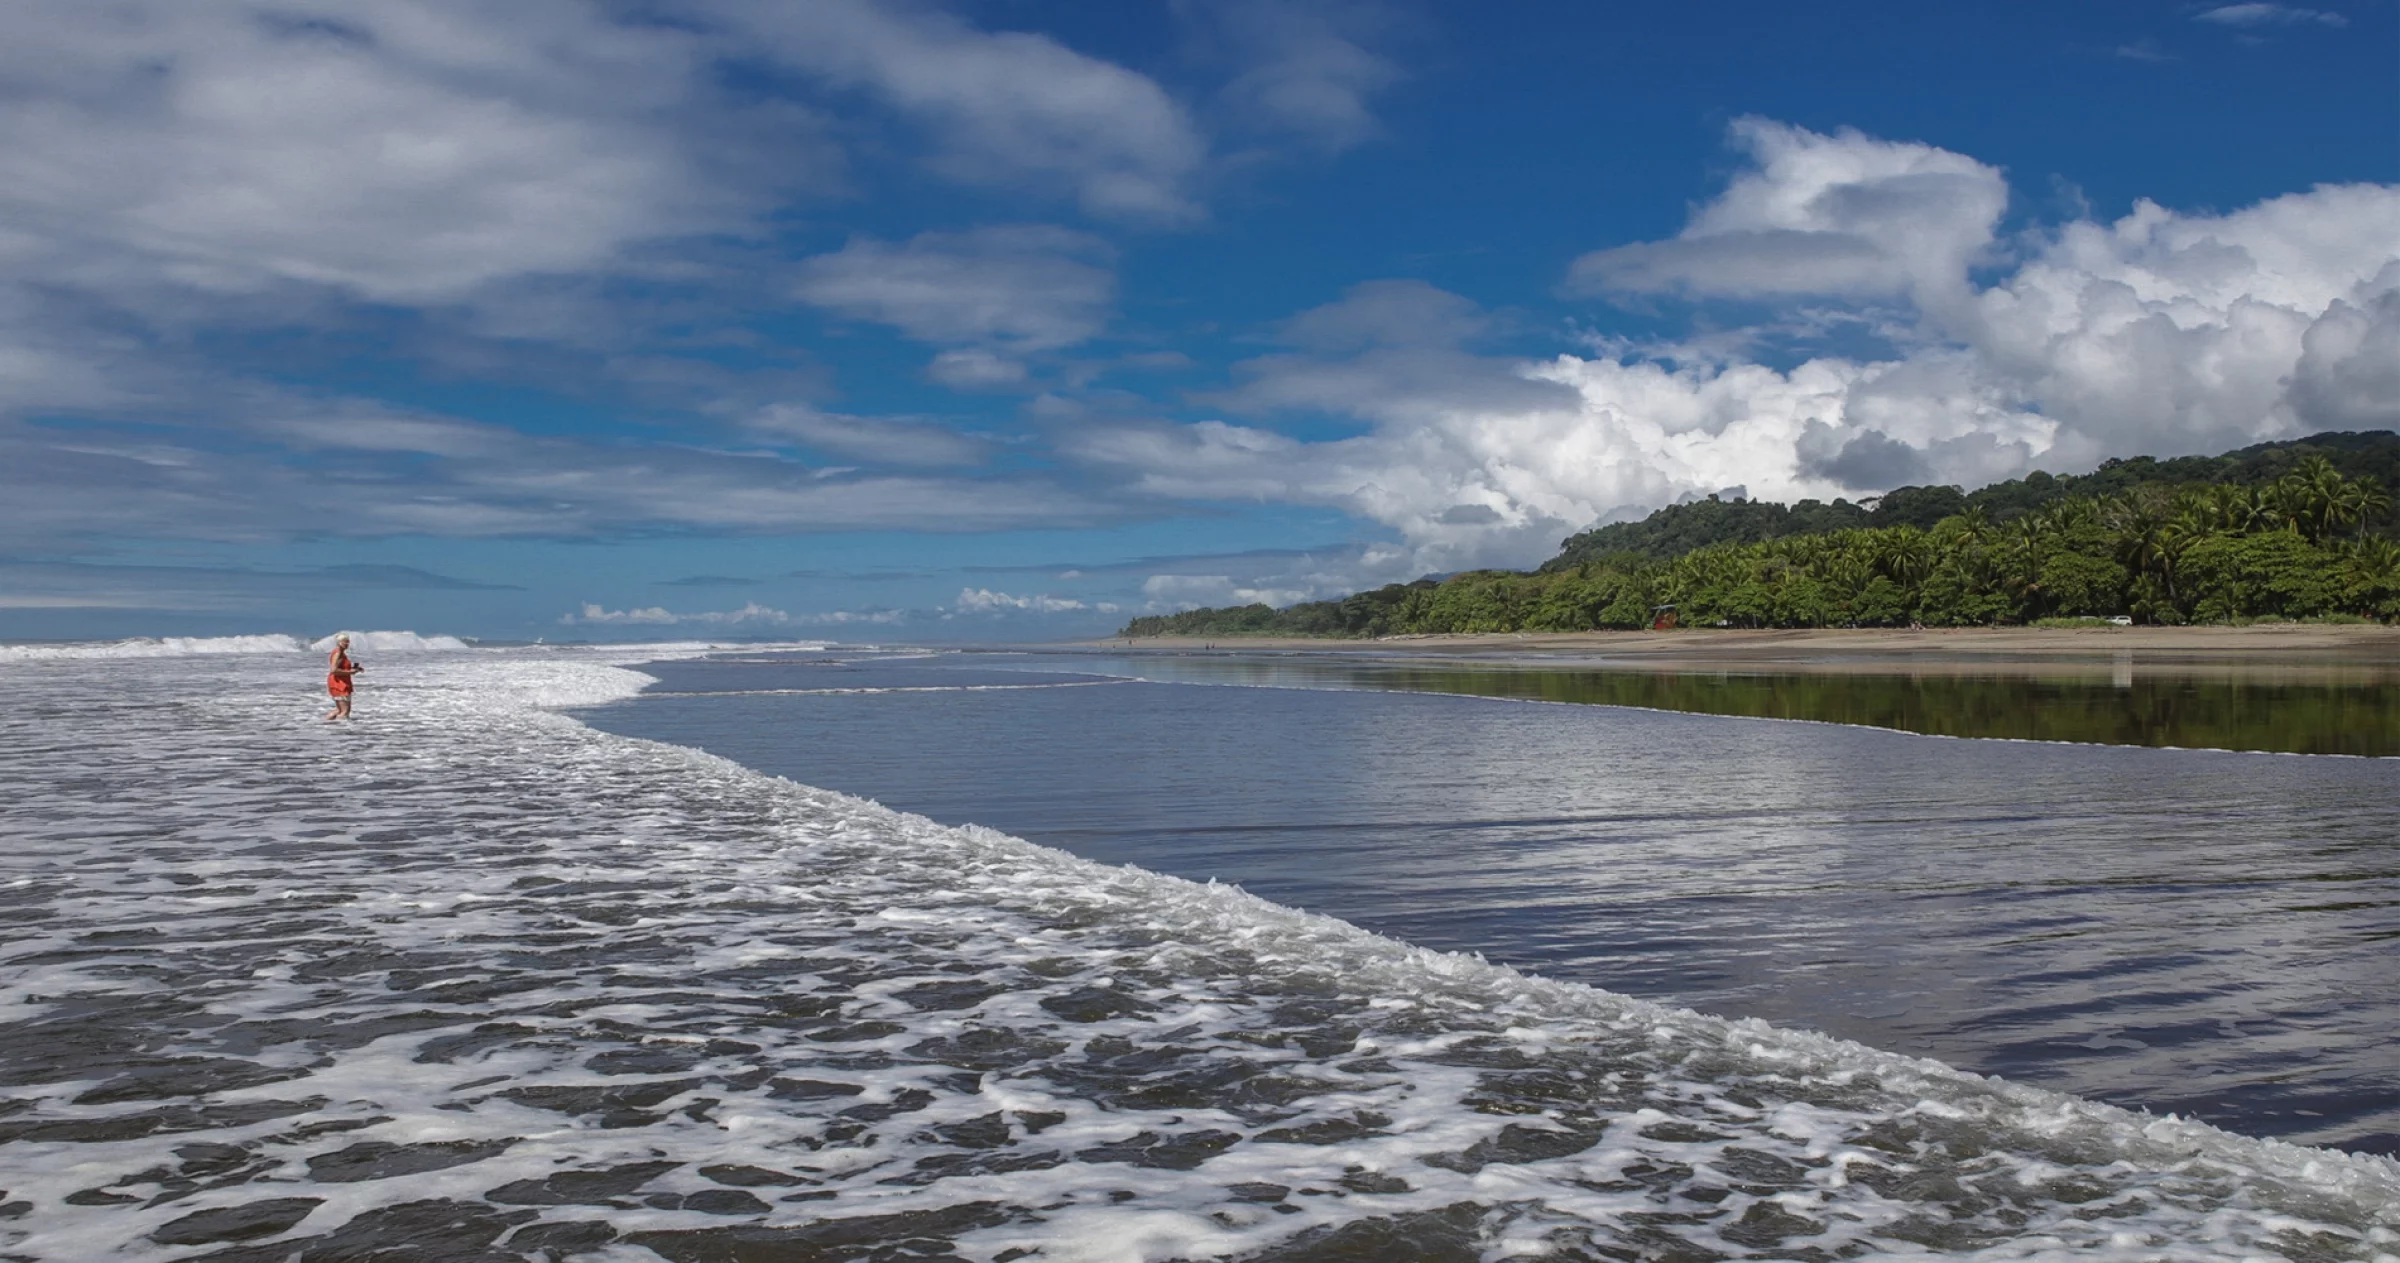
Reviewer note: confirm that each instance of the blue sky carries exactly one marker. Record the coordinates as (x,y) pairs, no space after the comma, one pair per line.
(1004,320)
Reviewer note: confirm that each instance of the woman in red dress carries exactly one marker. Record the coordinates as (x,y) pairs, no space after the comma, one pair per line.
(338,674)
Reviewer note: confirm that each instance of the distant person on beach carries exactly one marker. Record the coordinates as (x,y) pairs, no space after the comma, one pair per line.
(339,672)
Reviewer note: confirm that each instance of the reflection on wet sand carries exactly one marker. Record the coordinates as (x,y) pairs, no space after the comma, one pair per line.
(2296,707)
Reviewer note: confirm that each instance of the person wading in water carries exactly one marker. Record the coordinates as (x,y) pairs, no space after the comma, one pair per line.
(338,674)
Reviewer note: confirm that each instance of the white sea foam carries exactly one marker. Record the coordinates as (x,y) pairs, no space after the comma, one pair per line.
(367,642)
(469,976)
(211,646)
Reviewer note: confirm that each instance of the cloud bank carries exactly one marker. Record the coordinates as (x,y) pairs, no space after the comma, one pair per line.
(2160,332)
(546,187)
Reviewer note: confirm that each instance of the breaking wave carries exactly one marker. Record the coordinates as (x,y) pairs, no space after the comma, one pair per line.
(152,647)
(392,642)
(212,646)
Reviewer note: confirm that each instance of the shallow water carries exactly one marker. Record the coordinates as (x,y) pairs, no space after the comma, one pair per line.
(2195,932)
(470,981)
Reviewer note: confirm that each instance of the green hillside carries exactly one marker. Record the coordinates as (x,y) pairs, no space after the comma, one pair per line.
(2299,529)
(1678,529)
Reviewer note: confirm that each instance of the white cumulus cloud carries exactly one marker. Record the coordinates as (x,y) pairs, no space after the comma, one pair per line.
(846,618)
(1165,592)
(2161,332)
(1842,215)
(991,601)
(658,616)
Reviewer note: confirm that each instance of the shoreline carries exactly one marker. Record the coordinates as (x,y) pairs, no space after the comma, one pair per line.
(453,770)
(2364,653)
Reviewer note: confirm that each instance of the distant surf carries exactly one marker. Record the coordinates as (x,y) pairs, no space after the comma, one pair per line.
(152,647)
(212,646)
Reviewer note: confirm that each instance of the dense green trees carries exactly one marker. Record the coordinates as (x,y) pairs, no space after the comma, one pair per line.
(1678,529)
(2313,542)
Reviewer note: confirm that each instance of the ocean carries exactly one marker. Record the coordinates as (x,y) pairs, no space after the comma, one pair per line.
(1144,961)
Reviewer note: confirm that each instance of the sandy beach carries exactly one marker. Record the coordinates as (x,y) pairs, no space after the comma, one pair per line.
(2275,649)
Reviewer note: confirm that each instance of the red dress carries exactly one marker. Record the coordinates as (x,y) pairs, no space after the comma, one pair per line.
(337,680)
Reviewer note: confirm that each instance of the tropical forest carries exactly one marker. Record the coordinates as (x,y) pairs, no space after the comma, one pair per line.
(2298,530)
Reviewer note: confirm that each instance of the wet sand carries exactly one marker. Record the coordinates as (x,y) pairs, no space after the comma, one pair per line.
(2285,650)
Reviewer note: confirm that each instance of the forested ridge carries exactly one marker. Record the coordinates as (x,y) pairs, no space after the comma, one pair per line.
(2299,529)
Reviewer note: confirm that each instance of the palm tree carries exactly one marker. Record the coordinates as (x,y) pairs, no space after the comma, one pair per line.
(2361,501)
(2312,498)
(2370,576)
(1695,572)
(2072,514)
(2236,510)
(1903,555)
(2374,556)
(2372,562)
(2148,537)
(2025,546)
(1974,525)
(1848,575)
